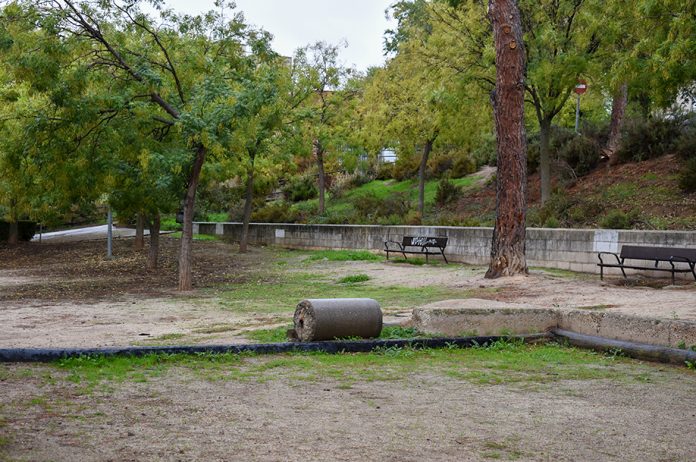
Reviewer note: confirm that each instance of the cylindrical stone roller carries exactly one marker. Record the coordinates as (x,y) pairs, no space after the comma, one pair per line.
(329,318)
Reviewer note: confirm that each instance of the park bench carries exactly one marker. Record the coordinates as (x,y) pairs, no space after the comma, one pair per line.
(417,245)
(676,257)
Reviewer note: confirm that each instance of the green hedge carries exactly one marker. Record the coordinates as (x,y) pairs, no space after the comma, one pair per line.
(27,229)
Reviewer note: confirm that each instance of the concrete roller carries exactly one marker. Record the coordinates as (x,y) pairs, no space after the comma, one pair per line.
(329,318)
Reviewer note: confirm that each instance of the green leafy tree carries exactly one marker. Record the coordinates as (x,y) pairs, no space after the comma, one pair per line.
(319,72)
(178,71)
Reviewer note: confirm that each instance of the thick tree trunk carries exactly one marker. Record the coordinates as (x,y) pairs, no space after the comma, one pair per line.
(421,176)
(139,242)
(508,246)
(13,237)
(248,201)
(153,252)
(185,254)
(618,110)
(544,158)
(319,153)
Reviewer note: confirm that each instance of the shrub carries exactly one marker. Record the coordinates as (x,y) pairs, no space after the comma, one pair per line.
(558,138)
(485,153)
(685,145)
(275,212)
(405,167)
(440,164)
(581,153)
(385,171)
(371,206)
(301,188)
(447,192)
(463,165)
(617,219)
(454,163)
(648,139)
(687,177)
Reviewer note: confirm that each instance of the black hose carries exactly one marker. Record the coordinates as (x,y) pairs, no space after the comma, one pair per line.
(335,346)
(634,350)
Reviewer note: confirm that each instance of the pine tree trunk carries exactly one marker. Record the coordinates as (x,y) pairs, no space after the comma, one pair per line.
(319,153)
(185,253)
(153,252)
(544,159)
(421,176)
(618,110)
(508,246)
(13,237)
(139,242)
(248,200)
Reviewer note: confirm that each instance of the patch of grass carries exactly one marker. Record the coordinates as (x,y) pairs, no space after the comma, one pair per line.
(196,237)
(4,441)
(275,335)
(274,294)
(506,362)
(354,279)
(171,336)
(410,261)
(343,255)
(215,329)
(561,273)
(596,307)
(278,334)
(621,191)
(89,371)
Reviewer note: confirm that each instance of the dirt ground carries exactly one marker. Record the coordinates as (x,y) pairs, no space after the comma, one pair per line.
(69,295)
(420,416)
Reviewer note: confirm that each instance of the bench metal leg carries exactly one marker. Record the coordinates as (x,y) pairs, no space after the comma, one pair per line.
(601,273)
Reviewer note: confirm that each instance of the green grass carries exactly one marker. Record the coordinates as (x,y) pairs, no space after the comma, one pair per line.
(343,255)
(342,207)
(279,334)
(386,188)
(217,217)
(354,279)
(276,335)
(196,237)
(281,293)
(500,363)
(168,223)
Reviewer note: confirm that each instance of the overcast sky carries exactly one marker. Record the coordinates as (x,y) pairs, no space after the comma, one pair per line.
(296,23)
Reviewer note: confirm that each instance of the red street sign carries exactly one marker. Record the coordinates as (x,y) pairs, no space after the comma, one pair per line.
(581,87)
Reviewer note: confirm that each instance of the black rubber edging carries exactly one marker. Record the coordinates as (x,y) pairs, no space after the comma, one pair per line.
(631,349)
(336,346)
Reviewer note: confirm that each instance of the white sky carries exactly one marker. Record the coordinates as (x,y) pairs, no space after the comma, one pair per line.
(296,23)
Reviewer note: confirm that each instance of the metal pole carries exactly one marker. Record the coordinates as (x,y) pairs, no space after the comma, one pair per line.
(109,233)
(577,114)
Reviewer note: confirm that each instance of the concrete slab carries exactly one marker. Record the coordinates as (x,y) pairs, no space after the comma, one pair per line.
(486,317)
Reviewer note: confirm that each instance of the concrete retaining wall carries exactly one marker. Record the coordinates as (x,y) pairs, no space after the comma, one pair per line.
(460,317)
(571,249)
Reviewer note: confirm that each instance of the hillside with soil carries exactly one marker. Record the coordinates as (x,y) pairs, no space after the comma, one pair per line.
(638,195)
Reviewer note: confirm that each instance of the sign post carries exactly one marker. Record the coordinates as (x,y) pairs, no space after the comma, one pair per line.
(580,88)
